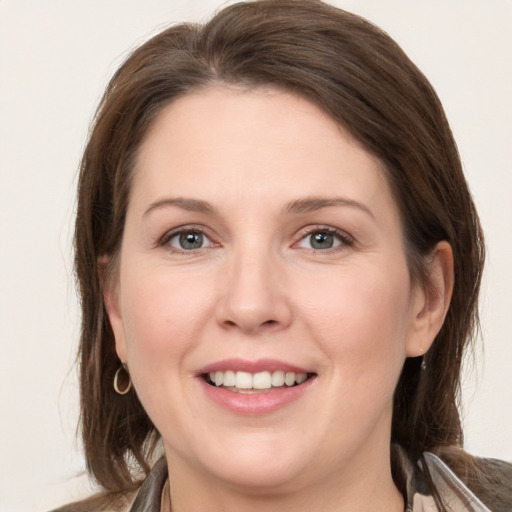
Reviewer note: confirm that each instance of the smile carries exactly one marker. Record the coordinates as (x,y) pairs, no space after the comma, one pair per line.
(242,381)
(255,388)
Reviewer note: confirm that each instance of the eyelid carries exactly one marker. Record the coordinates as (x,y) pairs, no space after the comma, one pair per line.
(346,239)
(164,240)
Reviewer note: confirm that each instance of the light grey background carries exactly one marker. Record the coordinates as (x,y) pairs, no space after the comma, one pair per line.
(55,59)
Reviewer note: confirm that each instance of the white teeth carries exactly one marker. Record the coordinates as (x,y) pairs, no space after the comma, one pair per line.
(219,378)
(289,378)
(229,378)
(301,377)
(278,378)
(260,380)
(243,380)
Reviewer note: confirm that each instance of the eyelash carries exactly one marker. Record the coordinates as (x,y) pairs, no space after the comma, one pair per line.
(184,230)
(344,239)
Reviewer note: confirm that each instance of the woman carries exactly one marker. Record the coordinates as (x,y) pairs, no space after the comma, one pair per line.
(279,263)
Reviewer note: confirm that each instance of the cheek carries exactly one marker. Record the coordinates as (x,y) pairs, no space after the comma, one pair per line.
(362,321)
(163,317)
(162,313)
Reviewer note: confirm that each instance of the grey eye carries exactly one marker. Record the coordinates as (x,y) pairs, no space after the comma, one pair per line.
(321,240)
(188,240)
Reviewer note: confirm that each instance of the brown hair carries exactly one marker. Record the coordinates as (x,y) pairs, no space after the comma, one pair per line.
(358,75)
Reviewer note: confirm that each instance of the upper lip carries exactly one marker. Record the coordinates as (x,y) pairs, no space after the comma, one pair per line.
(244,365)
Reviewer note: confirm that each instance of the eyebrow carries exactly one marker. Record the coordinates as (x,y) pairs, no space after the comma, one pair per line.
(193,205)
(310,204)
(304,205)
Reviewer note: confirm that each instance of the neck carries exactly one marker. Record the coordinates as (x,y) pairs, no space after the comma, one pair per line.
(371,488)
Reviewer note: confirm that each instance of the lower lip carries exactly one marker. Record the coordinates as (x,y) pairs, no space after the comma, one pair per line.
(255,404)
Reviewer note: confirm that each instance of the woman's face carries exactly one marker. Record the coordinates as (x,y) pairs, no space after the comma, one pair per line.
(262,244)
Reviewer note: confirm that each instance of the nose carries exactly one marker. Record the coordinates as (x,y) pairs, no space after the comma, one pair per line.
(254,298)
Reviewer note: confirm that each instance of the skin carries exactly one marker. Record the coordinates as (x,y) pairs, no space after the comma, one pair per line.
(256,289)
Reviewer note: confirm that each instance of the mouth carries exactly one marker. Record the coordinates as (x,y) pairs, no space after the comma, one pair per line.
(260,382)
(255,388)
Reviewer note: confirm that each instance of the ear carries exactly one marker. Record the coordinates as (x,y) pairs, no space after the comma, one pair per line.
(431,301)
(110,288)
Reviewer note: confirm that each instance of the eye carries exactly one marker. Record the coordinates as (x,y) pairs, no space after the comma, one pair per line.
(189,240)
(324,239)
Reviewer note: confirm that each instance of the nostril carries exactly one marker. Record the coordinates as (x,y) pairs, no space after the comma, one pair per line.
(252,326)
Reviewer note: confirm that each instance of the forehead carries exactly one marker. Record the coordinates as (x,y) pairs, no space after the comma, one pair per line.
(226,142)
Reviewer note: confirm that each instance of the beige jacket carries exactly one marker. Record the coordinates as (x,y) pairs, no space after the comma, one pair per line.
(455,495)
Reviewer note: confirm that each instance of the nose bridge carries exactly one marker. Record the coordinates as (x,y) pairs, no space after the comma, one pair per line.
(253,297)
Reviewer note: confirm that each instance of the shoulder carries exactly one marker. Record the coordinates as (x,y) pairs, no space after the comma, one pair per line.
(489,479)
(454,494)
(453,479)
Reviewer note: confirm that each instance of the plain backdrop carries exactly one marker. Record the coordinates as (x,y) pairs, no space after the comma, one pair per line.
(55,59)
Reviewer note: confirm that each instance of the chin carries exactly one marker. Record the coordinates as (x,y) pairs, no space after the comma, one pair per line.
(253,463)
(267,477)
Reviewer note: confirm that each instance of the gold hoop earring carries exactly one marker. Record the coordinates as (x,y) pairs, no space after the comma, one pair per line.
(122,376)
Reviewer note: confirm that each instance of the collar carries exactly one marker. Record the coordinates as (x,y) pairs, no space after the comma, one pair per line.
(149,497)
